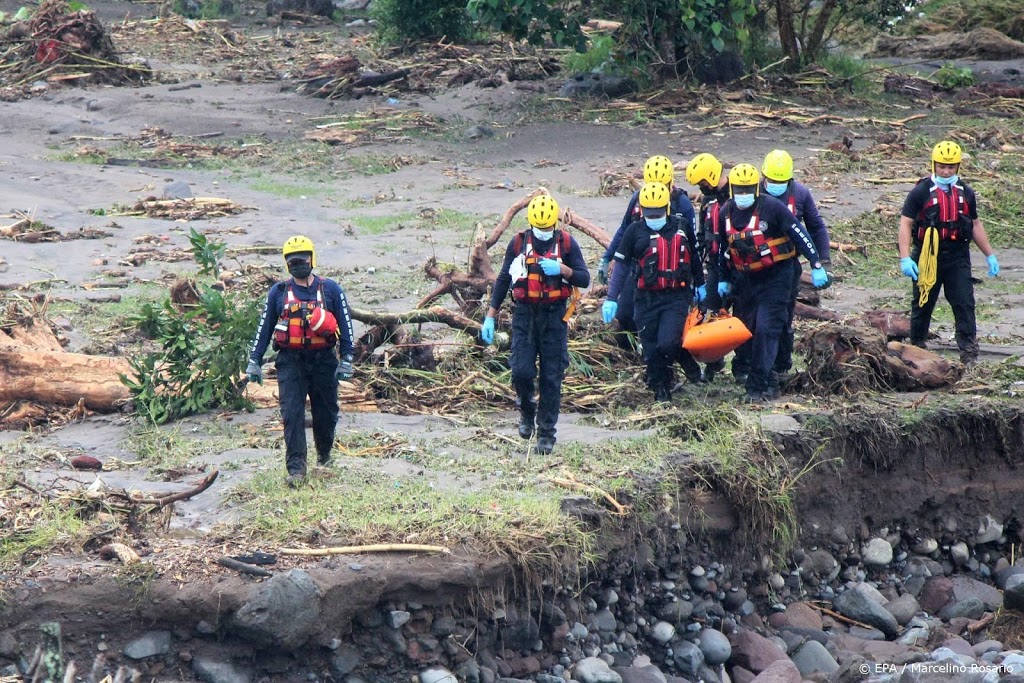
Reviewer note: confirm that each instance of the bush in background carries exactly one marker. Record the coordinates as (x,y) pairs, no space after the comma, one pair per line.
(400,21)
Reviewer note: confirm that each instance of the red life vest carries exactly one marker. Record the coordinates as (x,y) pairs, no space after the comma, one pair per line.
(536,287)
(948,212)
(665,264)
(711,213)
(293,330)
(749,248)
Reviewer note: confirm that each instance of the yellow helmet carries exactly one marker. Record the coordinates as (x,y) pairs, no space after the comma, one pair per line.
(778,166)
(743,175)
(946,152)
(704,167)
(659,169)
(654,196)
(542,211)
(299,244)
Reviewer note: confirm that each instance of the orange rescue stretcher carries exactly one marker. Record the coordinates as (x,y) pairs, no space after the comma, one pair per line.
(710,336)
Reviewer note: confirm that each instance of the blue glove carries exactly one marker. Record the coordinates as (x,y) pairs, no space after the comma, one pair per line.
(602,271)
(551,267)
(993,265)
(700,293)
(909,268)
(254,373)
(487,331)
(724,288)
(819,278)
(608,310)
(344,370)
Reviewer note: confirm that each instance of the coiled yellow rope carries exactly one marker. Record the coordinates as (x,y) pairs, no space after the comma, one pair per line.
(928,265)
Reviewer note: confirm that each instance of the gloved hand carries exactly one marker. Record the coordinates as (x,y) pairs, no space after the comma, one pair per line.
(909,268)
(993,265)
(602,271)
(820,278)
(487,331)
(551,267)
(724,288)
(700,293)
(608,310)
(344,370)
(254,373)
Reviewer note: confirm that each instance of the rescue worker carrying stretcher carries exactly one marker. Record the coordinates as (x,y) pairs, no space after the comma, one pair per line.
(543,267)
(657,169)
(308,321)
(938,223)
(759,240)
(660,251)
(777,170)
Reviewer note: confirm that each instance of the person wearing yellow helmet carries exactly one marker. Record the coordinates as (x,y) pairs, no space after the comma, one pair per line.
(308,321)
(659,253)
(657,169)
(777,169)
(938,222)
(542,267)
(759,239)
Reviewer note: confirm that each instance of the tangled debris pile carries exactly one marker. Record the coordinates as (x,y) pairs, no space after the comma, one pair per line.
(377,125)
(28,229)
(61,45)
(438,65)
(191,209)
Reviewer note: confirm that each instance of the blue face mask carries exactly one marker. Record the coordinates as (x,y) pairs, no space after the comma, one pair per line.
(776,189)
(543,234)
(744,201)
(946,182)
(656,223)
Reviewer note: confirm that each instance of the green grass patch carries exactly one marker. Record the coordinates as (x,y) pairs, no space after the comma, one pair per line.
(443,219)
(166,450)
(289,190)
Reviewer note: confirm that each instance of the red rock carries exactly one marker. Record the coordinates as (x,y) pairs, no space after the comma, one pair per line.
(86,462)
(741,675)
(755,652)
(802,615)
(936,594)
(782,671)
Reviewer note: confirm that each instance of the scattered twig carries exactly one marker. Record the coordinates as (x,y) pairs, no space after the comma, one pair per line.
(360,549)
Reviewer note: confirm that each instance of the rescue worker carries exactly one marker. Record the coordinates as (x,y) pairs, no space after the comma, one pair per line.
(777,169)
(660,253)
(308,321)
(542,267)
(705,172)
(657,169)
(938,223)
(759,239)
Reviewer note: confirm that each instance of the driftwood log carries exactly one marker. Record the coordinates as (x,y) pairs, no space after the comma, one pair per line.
(61,378)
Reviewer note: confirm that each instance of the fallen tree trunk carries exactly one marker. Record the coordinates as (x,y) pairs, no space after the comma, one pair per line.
(62,378)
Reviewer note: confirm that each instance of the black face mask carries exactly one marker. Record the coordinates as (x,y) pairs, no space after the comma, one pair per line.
(708,192)
(300,270)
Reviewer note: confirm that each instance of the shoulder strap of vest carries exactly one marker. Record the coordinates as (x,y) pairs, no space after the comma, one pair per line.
(517,242)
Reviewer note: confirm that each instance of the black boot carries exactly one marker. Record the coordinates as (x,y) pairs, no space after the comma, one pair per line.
(663,394)
(527,416)
(545,445)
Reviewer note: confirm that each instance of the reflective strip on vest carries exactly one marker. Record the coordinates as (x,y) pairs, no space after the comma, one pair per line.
(665,264)
(751,250)
(536,287)
(943,211)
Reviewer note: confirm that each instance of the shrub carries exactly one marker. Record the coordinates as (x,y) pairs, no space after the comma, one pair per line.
(411,20)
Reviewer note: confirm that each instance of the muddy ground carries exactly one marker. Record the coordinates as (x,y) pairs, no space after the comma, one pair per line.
(368,228)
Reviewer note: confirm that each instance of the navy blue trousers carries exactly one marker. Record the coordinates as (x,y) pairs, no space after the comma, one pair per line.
(953,277)
(301,374)
(661,316)
(538,332)
(762,303)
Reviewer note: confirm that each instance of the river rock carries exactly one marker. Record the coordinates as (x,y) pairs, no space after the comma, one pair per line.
(965,587)
(925,546)
(715,647)
(594,670)
(1004,574)
(640,674)
(959,553)
(781,671)
(812,656)
(801,615)
(903,608)
(177,189)
(1013,663)
(989,530)
(597,85)
(936,594)
(971,608)
(149,644)
(281,612)
(216,671)
(877,552)
(1013,594)
(676,611)
(663,632)
(734,599)
(344,661)
(437,674)
(866,633)
(687,656)
(871,592)
(755,652)
(820,562)
(604,620)
(857,606)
